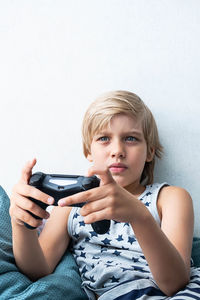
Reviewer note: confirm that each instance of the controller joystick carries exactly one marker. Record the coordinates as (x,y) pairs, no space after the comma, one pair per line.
(47,183)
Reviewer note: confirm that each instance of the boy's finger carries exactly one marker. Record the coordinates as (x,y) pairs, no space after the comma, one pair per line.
(21,216)
(96,216)
(27,205)
(27,171)
(30,191)
(104,174)
(82,197)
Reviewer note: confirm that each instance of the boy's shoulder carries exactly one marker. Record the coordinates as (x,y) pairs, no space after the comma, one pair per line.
(173,196)
(175,191)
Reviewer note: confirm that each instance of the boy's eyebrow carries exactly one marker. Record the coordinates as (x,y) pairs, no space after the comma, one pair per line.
(134,132)
(131,132)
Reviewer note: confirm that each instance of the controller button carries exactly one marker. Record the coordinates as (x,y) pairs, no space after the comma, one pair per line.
(61,187)
(36,179)
(87,183)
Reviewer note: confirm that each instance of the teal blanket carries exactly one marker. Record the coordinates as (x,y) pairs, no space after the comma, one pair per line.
(64,283)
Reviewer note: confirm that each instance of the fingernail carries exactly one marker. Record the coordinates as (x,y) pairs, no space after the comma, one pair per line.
(50,200)
(61,202)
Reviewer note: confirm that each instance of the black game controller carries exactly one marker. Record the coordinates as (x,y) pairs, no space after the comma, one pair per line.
(72,184)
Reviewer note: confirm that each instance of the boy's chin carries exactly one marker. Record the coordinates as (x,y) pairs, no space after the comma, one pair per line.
(125,182)
(120,180)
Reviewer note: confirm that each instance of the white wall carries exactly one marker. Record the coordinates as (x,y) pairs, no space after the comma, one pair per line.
(57,56)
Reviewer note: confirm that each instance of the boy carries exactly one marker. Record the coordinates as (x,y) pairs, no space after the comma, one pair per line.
(148,246)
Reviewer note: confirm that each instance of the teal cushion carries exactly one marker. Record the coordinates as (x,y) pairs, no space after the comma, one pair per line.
(64,283)
(196,251)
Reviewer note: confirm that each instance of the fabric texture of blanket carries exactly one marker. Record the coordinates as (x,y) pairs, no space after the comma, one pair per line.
(64,283)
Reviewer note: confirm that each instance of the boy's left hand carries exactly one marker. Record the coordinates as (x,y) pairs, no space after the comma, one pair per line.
(108,201)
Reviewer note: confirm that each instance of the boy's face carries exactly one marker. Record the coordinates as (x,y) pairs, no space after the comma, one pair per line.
(122,148)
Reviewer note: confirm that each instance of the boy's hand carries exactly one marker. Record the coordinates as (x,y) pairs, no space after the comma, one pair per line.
(109,201)
(20,204)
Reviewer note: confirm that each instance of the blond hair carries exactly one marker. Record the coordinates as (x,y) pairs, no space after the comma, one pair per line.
(100,113)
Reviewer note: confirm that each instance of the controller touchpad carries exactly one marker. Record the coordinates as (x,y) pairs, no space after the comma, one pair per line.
(63,182)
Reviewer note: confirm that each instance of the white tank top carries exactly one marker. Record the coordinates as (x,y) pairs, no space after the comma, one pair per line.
(113,258)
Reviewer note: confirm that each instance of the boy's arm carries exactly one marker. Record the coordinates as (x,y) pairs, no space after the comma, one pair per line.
(33,259)
(27,252)
(168,251)
(54,238)
(38,257)
(177,215)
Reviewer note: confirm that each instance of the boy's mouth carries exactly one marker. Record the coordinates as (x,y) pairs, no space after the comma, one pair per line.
(117,168)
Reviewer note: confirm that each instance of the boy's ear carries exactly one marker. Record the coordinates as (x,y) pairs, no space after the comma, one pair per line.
(150,154)
(89,157)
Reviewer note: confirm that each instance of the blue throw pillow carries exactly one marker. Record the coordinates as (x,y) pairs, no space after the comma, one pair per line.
(64,283)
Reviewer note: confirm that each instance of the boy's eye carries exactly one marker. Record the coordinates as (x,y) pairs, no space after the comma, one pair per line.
(130,139)
(103,139)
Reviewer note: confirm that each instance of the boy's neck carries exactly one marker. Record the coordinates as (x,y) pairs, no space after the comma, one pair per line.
(136,189)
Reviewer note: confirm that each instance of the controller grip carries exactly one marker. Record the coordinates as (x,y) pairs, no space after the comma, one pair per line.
(101,227)
(42,205)
(29,226)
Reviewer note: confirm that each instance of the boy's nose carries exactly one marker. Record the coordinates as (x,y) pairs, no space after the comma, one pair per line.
(117,150)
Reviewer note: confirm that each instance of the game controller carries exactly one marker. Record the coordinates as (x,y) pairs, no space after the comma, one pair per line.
(61,186)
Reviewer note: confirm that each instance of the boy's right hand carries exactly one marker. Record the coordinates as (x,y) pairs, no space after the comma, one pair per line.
(20,203)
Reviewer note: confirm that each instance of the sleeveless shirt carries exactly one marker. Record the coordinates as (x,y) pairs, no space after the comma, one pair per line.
(114,258)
